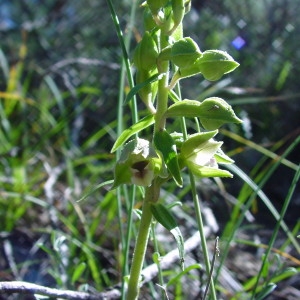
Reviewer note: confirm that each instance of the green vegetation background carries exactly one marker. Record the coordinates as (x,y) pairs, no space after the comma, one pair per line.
(59,77)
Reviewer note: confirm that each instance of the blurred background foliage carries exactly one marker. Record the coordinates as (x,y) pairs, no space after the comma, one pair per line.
(59,76)
(262,36)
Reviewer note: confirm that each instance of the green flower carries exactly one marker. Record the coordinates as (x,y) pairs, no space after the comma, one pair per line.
(201,154)
(138,164)
(142,173)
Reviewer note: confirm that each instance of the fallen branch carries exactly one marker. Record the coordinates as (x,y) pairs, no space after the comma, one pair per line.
(21,287)
(11,287)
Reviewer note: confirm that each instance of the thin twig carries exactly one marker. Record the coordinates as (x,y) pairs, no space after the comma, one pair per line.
(10,287)
(216,253)
(21,287)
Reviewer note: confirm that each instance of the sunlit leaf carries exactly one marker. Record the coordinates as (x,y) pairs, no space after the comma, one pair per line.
(141,85)
(165,218)
(166,145)
(135,128)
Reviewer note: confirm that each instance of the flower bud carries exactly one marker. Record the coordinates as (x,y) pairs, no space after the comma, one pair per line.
(213,112)
(156,5)
(156,8)
(146,53)
(215,63)
(149,23)
(178,10)
(212,64)
(185,52)
(148,92)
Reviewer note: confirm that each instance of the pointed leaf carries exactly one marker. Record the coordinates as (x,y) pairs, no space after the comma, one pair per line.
(177,277)
(180,244)
(94,189)
(165,218)
(135,128)
(267,290)
(141,85)
(78,272)
(166,145)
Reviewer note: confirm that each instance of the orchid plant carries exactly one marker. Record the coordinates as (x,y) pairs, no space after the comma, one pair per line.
(161,59)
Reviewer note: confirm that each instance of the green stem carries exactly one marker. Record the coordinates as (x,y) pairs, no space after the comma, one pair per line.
(162,93)
(197,206)
(141,244)
(162,103)
(152,192)
(156,249)
(202,235)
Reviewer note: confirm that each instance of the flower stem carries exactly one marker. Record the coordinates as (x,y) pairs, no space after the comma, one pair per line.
(162,93)
(151,195)
(198,215)
(202,235)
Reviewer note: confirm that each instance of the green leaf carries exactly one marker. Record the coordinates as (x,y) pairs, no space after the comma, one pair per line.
(166,145)
(177,277)
(180,244)
(135,128)
(267,290)
(163,216)
(156,258)
(286,273)
(213,112)
(94,189)
(141,85)
(78,271)
(166,219)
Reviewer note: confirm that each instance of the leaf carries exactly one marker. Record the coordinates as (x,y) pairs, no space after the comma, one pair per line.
(163,216)
(180,244)
(78,271)
(139,86)
(177,277)
(156,258)
(166,219)
(133,129)
(166,145)
(286,273)
(94,189)
(267,290)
